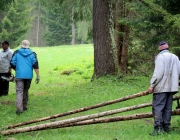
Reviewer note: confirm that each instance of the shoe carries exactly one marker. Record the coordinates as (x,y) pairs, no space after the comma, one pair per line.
(25,109)
(157,132)
(18,112)
(166,130)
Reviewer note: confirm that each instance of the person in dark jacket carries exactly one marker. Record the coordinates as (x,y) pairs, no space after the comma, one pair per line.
(23,62)
(5,70)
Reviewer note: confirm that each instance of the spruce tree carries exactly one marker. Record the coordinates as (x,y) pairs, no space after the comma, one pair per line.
(58,27)
(16,23)
(5,3)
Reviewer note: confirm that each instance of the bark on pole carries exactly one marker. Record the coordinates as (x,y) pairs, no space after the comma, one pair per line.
(115,119)
(81,109)
(71,122)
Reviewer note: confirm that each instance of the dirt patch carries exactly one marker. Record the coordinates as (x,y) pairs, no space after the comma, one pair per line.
(7,102)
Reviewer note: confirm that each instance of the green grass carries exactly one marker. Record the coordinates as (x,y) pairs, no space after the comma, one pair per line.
(58,93)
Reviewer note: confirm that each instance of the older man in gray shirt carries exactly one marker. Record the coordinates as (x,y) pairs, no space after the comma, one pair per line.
(164,83)
(5,70)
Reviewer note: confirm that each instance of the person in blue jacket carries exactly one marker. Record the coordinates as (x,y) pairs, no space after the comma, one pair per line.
(23,62)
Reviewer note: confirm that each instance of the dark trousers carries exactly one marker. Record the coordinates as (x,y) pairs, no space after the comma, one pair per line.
(4,84)
(161,108)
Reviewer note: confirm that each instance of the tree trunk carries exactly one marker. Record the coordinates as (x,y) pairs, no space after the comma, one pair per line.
(118,30)
(104,62)
(34,34)
(73,28)
(122,37)
(38,23)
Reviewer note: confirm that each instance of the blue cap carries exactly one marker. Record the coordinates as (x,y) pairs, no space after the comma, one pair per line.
(162,43)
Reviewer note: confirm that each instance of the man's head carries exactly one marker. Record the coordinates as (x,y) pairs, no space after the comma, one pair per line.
(25,44)
(5,45)
(163,45)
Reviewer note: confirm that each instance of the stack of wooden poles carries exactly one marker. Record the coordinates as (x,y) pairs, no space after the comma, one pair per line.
(87,119)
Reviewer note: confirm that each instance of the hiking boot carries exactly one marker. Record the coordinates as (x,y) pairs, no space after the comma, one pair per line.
(166,130)
(157,132)
(18,112)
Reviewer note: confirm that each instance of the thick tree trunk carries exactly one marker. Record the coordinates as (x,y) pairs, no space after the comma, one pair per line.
(104,62)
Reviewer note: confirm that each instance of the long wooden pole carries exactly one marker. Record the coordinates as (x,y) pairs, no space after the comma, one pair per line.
(80,109)
(114,119)
(67,123)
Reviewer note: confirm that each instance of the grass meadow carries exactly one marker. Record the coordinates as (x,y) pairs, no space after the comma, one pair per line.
(66,85)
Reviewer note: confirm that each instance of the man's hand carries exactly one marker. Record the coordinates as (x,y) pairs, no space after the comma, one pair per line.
(37,79)
(150,89)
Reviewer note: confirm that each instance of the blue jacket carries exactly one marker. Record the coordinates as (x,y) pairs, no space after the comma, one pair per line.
(23,61)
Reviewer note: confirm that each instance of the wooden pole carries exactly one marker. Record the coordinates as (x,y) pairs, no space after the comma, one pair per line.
(114,119)
(80,109)
(86,117)
(71,122)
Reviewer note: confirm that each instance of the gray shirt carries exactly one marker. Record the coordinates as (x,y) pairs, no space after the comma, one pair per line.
(5,58)
(166,73)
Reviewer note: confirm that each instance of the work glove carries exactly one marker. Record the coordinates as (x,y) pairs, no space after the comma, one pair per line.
(37,79)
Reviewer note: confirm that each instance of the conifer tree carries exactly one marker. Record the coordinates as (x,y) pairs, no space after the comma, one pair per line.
(16,23)
(58,27)
(5,3)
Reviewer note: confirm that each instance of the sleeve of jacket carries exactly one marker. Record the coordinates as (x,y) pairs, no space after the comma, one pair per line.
(179,68)
(158,71)
(35,61)
(10,53)
(13,60)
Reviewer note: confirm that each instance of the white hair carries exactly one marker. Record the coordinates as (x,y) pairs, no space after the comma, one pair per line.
(25,44)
